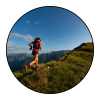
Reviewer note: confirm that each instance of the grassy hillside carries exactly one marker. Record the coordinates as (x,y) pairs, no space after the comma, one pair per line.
(62,75)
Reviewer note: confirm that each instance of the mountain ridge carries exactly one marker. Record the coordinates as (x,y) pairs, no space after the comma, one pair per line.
(43,58)
(14,58)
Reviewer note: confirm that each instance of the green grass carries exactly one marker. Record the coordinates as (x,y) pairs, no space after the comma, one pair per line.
(62,75)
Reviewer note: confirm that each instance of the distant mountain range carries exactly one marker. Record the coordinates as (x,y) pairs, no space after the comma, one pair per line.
(17,61)
(14,58)
(20,54)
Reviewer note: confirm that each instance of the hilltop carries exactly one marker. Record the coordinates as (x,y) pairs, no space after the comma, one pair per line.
(62,74)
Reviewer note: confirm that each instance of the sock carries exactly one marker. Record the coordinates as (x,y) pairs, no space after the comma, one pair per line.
(36,66)
(28,64)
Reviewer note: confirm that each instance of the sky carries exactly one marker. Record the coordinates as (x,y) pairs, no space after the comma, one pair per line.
(58,29)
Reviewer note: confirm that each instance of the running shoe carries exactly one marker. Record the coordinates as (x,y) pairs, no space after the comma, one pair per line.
(37,68)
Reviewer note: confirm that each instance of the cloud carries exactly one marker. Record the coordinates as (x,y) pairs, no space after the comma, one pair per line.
(23,37)
(16,49)
(28,22)
(37,22)
(9,43)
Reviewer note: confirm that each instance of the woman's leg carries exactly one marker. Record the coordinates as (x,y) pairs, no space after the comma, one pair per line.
(36,60)
(35,57)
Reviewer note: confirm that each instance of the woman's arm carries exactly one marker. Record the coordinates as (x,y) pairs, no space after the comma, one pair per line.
(30,43)
(40,47)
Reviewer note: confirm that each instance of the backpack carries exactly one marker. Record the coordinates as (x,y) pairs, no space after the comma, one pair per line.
(36,44)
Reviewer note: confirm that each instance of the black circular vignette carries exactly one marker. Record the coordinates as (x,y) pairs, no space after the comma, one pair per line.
(13,84)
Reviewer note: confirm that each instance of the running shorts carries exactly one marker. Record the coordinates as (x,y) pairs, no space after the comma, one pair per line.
(34,52)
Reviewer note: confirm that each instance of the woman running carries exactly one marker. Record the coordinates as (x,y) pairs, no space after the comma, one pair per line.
(36,47)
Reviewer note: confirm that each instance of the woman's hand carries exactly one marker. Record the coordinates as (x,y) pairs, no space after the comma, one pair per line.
(30,47)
